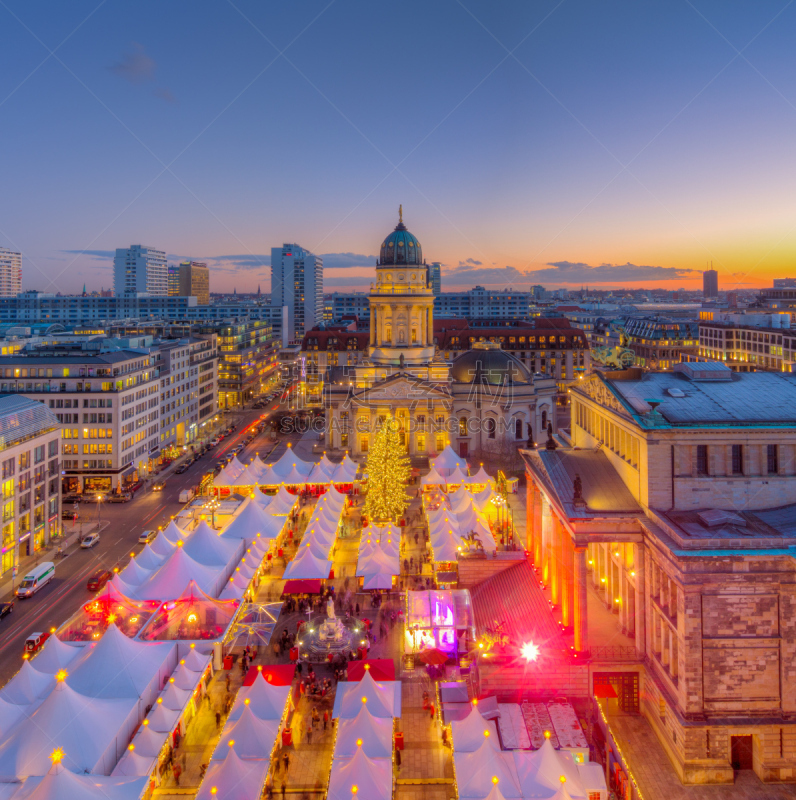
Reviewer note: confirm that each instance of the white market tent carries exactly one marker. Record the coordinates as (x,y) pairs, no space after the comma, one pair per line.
(306,566)
(476,773)
(62,784)
(161,546)
(457,476)
(251,520)
(377,580)
(251,737)
(382,699)
(93,732)
(208,548)
(471,732)
(433,478)
(373,735)
(175,534)
(282,502)
(117,666)
(539,773)
(371,776)
(56,655)
(134,574)
(148,559)
(179,569)
(479,479)
(447,461)
(234,778)
(162,719)
(27,686)
(266,701)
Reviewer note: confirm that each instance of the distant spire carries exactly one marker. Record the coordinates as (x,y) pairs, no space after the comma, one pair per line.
(400,213)
(258,290)
(84,290)
(235,290)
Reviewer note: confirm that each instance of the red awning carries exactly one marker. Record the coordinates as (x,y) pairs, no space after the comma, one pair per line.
(380,669)
(275,674)
(604,690)
(302,587)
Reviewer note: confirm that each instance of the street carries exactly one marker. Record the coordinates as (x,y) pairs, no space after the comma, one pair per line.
(52,605)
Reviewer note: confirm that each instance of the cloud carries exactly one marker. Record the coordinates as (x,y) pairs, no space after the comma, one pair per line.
(165,94)
(470,262)
(332,283)
(136,66)
(569,272)
(97,255)
(345,260)
(241,261)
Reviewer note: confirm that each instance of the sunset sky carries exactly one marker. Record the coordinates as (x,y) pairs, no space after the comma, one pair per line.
(615,144)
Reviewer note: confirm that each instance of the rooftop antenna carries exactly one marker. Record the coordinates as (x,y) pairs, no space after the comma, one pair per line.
(400,213)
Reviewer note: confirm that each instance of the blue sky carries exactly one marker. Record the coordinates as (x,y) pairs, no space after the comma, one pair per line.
(617,143)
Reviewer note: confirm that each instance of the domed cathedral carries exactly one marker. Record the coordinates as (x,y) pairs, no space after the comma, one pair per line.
(484,402)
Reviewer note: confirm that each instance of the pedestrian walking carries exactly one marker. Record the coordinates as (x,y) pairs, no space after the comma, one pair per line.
(416,537)
(397,758)
(283,790)
(218,719)
(286,762)
(325,718)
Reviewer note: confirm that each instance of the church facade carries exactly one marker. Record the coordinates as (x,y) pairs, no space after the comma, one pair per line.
(483,401)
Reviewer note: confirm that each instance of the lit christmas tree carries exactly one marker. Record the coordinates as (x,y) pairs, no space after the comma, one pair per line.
(388,473)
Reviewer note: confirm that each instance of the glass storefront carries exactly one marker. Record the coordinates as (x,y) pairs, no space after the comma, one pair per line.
(97,483)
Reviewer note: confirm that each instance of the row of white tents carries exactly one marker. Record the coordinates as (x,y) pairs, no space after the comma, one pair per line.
(458,515)
(484,771)
(239,764)
(448,469)
(209,558)
(379,556)
(365,711)
(312,561)
(77,707)
(288,470)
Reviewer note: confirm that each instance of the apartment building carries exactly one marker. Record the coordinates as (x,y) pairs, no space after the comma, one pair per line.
(10,273)
(660,342)
(297,283)
(108,404)
(195,281)
(188,389)
(139,268)
(30,441)
(483,303)
(748,342)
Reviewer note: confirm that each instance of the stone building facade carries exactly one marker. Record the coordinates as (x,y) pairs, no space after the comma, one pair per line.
(675,506)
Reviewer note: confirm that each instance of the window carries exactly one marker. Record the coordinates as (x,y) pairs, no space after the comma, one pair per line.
(363,444)
(737,459)
(772,457)
(421,443)
(463,426)
(702,459)
(518,428)
(38,454)
(52,448)
(489,427)
(544,419)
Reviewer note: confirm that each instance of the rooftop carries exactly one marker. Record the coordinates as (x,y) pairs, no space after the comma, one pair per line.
(749,398)
(22,419)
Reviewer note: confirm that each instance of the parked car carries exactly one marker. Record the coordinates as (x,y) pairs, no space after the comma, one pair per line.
(90,541)
(34,643)
(69,514)
(147,536)
(6,609)
(215,442)
(71,498)
(124,497)
(158,486)
(98,580)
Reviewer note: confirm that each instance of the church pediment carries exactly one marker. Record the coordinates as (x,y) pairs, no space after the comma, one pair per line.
(402,388)
(597,389)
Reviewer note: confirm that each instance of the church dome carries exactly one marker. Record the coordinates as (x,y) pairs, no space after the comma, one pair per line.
(487,363)
(400,247)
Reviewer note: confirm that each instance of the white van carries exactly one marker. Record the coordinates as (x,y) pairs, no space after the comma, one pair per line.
(35,579)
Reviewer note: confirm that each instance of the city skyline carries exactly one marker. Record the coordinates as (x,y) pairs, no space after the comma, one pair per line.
(658,141)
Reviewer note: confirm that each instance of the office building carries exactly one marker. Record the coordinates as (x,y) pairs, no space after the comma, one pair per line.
(435,277)
(481,303)
(107,402)
(174,280)
(188,369)
(195,281)
(140,270)
(31,482)
(347,305)
(297,282)
(710,284)
(784,283)
(748,342)
(10,273)
(660,342)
